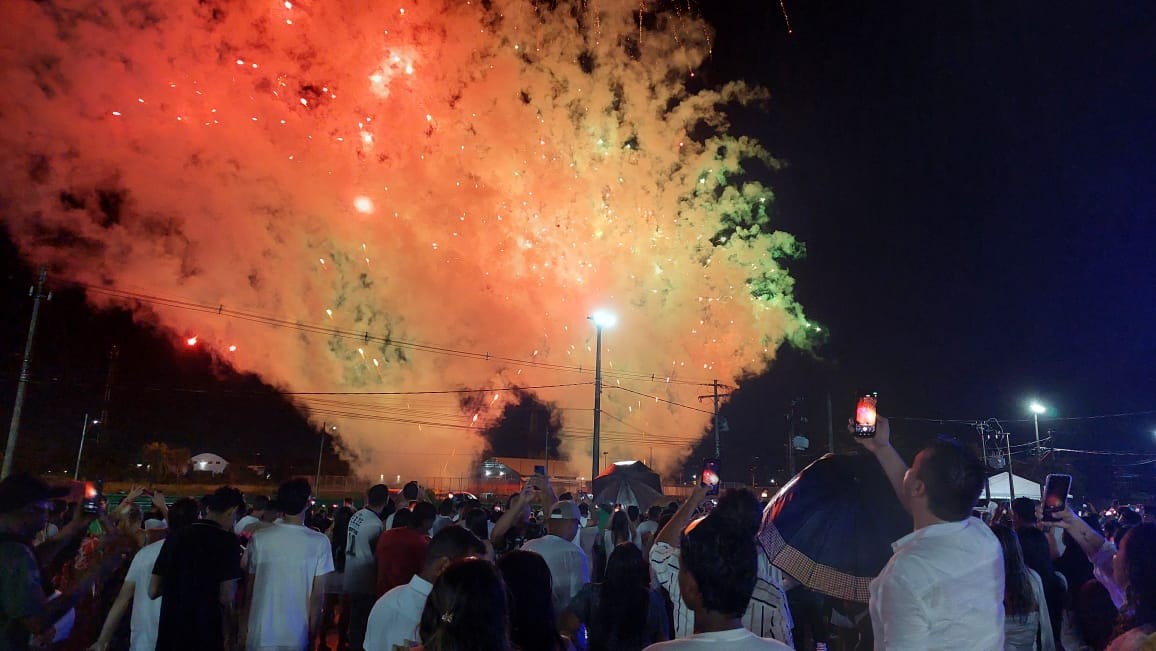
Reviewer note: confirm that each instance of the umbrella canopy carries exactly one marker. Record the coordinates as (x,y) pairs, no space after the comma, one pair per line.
(628,484)
(831,527)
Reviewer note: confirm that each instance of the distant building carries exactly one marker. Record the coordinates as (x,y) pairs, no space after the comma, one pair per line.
(208,462)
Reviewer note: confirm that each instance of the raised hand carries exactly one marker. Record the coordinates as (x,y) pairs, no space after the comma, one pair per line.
(882,438)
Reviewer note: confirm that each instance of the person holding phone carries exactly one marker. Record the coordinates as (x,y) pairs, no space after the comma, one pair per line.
(25,502)
(944,586)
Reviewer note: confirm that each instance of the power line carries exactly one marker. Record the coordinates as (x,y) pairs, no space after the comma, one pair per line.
(659,399)
(366,337)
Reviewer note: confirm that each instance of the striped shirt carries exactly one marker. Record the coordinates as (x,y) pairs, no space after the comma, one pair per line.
(767,613)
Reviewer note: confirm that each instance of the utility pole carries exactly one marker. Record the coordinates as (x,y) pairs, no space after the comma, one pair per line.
(320,451)
(22,385)
(792,418)
(715,396)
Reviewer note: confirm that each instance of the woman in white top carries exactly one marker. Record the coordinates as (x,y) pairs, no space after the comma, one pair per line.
(620,530)
(1027,626)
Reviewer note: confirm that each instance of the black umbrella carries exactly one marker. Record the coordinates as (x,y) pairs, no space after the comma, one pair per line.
(831,527)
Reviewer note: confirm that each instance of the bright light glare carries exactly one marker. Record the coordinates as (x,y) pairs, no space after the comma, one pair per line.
(191,341)
(604,319)
(363,204)
(1037,408)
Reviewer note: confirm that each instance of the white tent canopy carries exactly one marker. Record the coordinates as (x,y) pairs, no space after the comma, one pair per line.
(1024,487)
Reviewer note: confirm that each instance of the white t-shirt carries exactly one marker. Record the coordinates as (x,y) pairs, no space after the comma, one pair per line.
(395,618)
(146,612)
(243,523)
(284,558)
(737,639)
(568,567)
(768,613)
(648,527)
(942,589)
(360,566)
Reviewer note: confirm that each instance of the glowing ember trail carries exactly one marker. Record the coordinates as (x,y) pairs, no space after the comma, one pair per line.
(473,176)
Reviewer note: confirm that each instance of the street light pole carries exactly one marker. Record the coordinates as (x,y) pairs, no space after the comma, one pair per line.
(1037,409)
(83,432)
(601,320)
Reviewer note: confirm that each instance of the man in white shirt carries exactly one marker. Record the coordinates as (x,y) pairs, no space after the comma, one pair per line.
(260,503)
(287,567)
(395,617)
(719,567)
(767,614)
(359,586)
(943,588)
(649,527)
(146,612)
(567,562)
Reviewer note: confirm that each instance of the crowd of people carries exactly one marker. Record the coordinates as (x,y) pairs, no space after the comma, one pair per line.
(547,572)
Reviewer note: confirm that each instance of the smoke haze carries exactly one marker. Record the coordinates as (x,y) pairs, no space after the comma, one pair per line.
(476,177)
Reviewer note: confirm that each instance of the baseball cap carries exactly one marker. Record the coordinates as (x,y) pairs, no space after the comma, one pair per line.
(565,510)
(21,489)
(153,524)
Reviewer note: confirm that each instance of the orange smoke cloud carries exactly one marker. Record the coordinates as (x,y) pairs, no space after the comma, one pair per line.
(471,176)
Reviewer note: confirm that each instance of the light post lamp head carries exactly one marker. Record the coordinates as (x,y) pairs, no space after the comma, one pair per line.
(603,319)
(1037,408)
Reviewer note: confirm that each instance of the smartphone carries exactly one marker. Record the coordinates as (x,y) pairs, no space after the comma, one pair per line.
(540,470)
(93,494)
(865,415)
(710,477)
(1055,497)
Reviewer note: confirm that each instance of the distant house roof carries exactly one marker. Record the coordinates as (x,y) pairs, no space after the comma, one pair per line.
(208,461)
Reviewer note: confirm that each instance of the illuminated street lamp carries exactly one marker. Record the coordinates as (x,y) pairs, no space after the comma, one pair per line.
(602,319)
(1037,409)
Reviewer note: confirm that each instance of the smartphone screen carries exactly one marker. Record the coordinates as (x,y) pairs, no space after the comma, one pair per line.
(93,493)
(710,477)
(865,415)
(1055,497)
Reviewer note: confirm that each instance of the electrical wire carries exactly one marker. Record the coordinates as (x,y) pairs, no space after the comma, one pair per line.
(366,337)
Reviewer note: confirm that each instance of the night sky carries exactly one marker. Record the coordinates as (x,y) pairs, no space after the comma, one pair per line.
(975,185)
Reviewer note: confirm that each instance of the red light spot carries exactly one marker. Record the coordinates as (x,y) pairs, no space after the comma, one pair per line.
(191,341)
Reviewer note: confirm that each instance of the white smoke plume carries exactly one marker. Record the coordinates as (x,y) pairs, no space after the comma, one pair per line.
(472,176)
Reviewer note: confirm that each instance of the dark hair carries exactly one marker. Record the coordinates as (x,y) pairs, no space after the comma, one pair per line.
(424,513)
(566,496)
(1095,613)
(477,521)
(720,553)
(533,624)
(619,527)
(1038,556)
(654,512)
(223,499)
(182,513)
(584,509)
(1025,509)
(1019,598)
(1130,517)
(623,600)
(446,507)
(466,610)
(410,490)
(401,518)
(632,512)
(1138,547)
(377,495)
(293,495)
(260,502)
(954,478)
(453,543)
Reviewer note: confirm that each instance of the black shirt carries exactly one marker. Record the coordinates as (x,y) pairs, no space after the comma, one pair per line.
(193,563)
